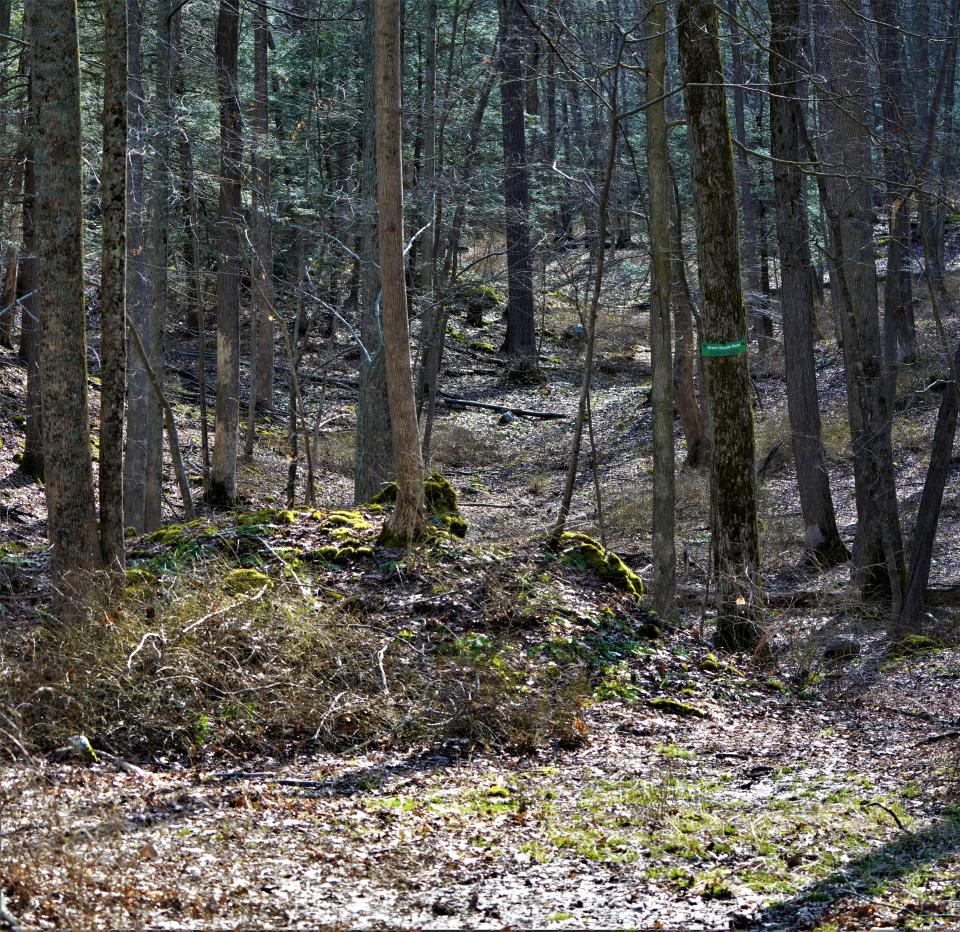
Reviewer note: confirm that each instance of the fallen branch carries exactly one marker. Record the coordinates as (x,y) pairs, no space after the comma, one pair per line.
(888,811)
(455,402)
(7,919)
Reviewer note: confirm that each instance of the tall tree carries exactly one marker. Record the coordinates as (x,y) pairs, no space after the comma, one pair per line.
(68,467)
(821,536)
(223,476)
(732,478)
(899,328)
(658,167)
(32,462)
(138,281)
(408,522)
(113,182)
(374,461)
(847,197)
(262,225)
(161,192)
(521,339)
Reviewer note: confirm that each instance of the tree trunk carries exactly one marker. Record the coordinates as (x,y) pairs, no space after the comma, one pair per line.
(658,168)
(732,482)
(899,329)
(821,536)
(68,468)
(408,522)
(223,476)
(521,339)
(32,462)
(694,416)
(160,195)
(748,207)
(138,282)
(375,460)
(878,565)
(113,179)
(262,346)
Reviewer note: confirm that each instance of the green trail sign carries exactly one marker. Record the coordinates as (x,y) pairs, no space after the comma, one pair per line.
(734,348)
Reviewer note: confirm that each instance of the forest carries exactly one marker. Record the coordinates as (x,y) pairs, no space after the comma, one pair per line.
(479,464)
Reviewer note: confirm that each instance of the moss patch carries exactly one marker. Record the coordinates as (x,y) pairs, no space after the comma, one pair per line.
(245,580)
(441,501)
(675,707)
(582,550)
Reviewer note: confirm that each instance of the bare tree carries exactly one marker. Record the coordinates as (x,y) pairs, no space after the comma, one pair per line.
(223,476)
(736,550)
(658,168)
(408,522)
(822,538)
(113,180)
(68,467)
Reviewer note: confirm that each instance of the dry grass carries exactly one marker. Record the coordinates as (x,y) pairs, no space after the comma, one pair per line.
(199,667)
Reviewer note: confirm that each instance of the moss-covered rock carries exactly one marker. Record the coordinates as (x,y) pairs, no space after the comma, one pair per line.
(477,299)
(171,534)
(581,548)
(676,707)
(267,516)
(245,580)
(441,501)
(138,576)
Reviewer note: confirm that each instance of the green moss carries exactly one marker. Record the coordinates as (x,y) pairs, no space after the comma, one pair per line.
(711,664)
(675,707)
(441,501)
(267,516)
(171,534)
(334,554)
(245,580)
(482,346)
(580,548)
(911,644)
(137,576)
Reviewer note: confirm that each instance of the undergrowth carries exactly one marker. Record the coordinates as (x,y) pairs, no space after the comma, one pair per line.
(246,637)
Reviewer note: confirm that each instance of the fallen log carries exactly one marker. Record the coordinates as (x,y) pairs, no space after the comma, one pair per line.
(454,402)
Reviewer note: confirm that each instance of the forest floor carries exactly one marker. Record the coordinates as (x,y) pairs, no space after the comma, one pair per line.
(663,787)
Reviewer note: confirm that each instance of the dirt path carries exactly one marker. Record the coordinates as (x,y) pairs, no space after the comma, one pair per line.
(772,811)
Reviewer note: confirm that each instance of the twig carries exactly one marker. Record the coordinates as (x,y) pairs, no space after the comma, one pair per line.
(221,611)
(142,644)
(888,811)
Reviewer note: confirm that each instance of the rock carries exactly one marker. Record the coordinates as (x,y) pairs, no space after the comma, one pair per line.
(841,648)
(508,417)
(574,333)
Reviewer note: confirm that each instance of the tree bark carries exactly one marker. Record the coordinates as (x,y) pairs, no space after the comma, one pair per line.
(878,564)
(658,168)
(68,467)
(899,328)
(263,346)
(32,462)
(138,282)
(694,416)
(821,536)
(408,522)
(161,192)
(375,460)
(113,180)
(223,476)
(521,338)
(736,548)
